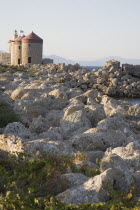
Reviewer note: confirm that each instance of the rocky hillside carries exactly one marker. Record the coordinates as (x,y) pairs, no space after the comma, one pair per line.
(69,111)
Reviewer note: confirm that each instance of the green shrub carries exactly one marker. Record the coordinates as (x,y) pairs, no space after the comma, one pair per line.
(61,80)
(84,169)
(31,184)
(12,69)
(7,115)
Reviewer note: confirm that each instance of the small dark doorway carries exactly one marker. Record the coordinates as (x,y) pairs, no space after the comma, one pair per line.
(29,59)
(19,61)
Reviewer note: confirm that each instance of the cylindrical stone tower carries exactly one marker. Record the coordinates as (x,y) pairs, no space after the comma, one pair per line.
(18,50)
(32,47)
(12,52)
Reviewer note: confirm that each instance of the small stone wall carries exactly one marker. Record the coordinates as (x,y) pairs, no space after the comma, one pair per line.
(5,58)
(133,70)
(47,61)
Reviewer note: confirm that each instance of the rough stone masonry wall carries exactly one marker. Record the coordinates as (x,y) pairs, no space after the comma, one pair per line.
(5,58)
(18,53)
(33,50)
(12,53)
(133,70)
(47,61)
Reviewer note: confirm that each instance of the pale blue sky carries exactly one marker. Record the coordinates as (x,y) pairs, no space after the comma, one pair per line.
(76,29)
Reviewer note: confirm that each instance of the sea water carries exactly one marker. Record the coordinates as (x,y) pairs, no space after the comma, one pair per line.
(133,101)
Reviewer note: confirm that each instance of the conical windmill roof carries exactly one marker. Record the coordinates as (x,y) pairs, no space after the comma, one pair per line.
(32,38)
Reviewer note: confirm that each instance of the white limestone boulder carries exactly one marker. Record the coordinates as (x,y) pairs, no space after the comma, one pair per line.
(95,113)
(18,93)
(74,122)
(134,111)
(113,107)
(130,154)
(54,134)
(96,139)
(72,108)
(74,179)
(96,189)
(52,147)
(17,129)
(116,123)
(39,125)
(54,117)
(29,109)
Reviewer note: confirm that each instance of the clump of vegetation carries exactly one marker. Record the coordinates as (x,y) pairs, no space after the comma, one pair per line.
(33,72)
(28,183)
(120,201)
(12,69)
(79,157)
(7,115)
(61,80)
(32,183)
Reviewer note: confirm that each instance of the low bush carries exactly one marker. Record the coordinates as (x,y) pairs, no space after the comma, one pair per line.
(61,80)
(31,184)
(28,183)
(79,157)
(12,69)
(7,115)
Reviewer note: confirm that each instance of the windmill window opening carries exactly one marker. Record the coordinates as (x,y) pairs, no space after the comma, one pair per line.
(29,59)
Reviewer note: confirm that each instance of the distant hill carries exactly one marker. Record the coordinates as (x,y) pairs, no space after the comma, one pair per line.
(93,63)
(102,61)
